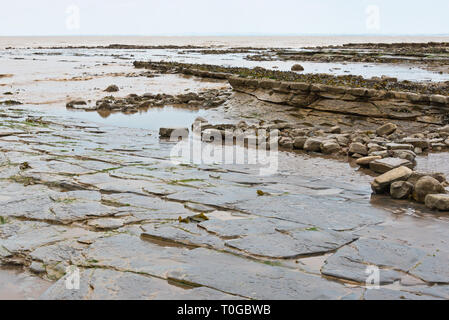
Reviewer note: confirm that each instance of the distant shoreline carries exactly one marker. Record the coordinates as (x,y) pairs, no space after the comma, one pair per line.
(210,41)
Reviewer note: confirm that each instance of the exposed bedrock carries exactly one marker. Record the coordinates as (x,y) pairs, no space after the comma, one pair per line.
(343,100)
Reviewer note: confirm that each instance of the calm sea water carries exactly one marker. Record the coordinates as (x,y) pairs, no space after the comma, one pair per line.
(243,41)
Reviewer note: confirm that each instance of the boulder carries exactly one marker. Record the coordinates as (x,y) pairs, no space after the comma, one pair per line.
(387,164)
(444,129)
(342,140)
(382,182)
(373,147)
(297,67)
(359,148)
(386,129)
(365,161)
(299,142)
(298,132)
(112,88)
(425,186)
(312,144)
(415,176)
(401,189)
(438,146)
(286,142)
(404,154)
(437,201)
(168,132)
(74,103)
(329,147)
(437,98)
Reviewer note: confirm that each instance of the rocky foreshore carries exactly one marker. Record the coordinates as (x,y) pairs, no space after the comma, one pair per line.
(113,200)
(382,150)
(133,102)
(432,55)
(258,73)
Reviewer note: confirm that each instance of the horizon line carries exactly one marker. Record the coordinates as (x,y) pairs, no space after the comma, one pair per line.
(243,35)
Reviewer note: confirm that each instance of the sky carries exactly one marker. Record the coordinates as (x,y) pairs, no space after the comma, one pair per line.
(223,17)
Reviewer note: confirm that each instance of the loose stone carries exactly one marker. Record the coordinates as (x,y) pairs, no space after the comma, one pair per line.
(365,161)
(425,186)
(168,132)
(299,142)
(359,148)
(387,164)
(297,67)
(383,181)
(401,189)
(437,201)
(386,129)
(329,147)
(112,88)
(313,145)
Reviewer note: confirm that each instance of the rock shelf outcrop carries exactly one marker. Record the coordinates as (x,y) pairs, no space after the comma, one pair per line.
(364,102)
(133,102)
(259,73)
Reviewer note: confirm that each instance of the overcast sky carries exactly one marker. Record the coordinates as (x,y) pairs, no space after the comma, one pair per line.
(223,17)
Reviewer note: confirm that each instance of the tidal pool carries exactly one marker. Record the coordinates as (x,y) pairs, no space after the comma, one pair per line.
(152,118)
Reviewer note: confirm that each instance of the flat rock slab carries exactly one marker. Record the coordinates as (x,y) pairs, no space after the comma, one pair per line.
(6,133)
(275,238)
(173,235)
(106,183)
(54,258)
(388,294)
(433,268)
(255,280)
(387,164)
(394,259)
(314,211)
(219,197)
(29,235)
(106,223)
(292,244)
(229,229)
(99,284)
(238,276)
